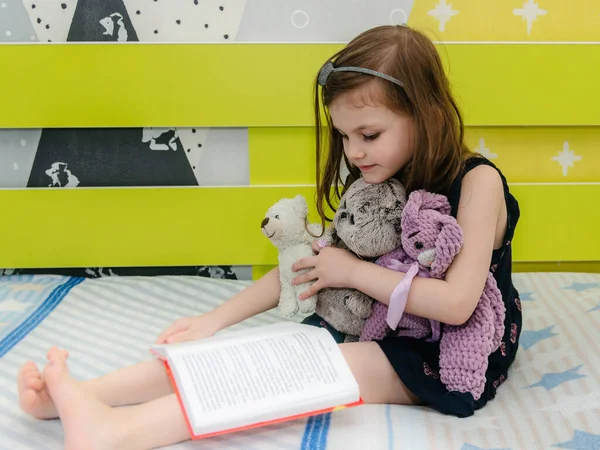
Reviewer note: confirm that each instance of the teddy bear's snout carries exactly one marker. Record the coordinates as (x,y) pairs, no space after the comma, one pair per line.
(264,222)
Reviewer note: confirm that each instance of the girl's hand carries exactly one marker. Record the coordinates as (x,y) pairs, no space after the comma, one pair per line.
(188,329)
(332,267)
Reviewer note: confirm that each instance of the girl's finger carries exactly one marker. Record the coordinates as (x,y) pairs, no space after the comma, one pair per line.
(178,325)
(305,278)
(177,337)
(316,287)
(304,263)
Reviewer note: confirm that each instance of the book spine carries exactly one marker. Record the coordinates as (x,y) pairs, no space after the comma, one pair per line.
(180,400)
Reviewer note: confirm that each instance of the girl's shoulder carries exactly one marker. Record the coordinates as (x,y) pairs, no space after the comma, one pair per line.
(512,205)
(471,162)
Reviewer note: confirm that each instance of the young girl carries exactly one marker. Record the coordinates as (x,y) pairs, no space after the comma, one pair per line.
(389,114)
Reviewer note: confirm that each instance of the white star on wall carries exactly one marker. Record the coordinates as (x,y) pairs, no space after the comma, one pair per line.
(483,150)
(529,13)
(566,158)
(442,13)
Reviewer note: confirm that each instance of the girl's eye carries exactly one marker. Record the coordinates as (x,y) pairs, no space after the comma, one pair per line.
(371,137)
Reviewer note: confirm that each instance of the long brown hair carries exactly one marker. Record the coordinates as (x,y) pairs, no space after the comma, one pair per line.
(409,56)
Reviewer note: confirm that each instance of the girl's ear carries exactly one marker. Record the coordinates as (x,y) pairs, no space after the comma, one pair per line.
(447,245)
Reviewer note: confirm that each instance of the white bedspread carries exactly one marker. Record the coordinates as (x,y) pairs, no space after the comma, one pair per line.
(551,398)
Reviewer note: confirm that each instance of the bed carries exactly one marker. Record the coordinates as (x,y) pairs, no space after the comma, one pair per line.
(550,400)
(179,139)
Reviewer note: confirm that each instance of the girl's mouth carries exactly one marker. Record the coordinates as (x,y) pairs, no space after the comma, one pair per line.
(366,168)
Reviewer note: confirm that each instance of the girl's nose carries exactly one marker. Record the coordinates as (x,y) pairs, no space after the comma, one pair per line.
(354,151)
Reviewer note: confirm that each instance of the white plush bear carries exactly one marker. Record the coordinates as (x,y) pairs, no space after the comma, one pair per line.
(285,225)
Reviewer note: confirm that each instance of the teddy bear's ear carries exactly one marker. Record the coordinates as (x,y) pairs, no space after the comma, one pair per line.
(300,205)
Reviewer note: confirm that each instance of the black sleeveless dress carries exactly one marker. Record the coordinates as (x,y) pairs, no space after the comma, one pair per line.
(417,362)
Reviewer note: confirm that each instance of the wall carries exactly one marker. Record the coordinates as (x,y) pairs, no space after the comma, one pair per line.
(215,156)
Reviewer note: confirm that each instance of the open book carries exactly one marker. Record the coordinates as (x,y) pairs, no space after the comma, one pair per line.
(258,376)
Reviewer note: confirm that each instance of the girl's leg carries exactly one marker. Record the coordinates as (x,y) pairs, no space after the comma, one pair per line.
(134,384)
(377,380)
(139,383)
(91,424)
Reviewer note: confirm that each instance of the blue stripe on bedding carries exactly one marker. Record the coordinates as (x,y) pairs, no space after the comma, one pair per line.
(315,433)
(40,313)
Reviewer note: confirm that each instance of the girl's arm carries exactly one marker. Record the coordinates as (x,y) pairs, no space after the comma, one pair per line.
(259,297)
(454,299)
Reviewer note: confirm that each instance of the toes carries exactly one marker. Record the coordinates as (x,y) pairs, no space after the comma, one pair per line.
(28,372)
(27,368)
(56,354)
(29,365)
(34,383)
(51,352)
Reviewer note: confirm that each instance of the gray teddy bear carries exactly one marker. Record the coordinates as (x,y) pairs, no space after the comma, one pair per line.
(367,223)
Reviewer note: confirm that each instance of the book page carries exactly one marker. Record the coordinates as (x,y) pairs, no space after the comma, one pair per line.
(242,380)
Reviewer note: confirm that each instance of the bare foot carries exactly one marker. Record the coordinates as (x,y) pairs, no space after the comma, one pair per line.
(33,394)
(88,423)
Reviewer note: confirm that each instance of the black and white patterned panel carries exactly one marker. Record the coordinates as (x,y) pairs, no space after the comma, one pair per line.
(100,157)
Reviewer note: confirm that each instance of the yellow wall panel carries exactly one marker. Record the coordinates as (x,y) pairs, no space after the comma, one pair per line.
(519,84)
(558,222)
(508,85)
(194,85)
(524,154)
(139,226)
(505,20)
(216,226)
(540,154)
(281,155)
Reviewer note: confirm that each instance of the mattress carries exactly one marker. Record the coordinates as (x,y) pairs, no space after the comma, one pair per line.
(551,398)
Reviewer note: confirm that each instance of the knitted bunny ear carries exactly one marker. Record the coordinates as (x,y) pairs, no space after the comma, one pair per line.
(420,200)
(447,245)
(436,202)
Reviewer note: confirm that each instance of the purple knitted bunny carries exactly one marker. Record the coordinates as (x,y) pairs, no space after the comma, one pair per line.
(431,239)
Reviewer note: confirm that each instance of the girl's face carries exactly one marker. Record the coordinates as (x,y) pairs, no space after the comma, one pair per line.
(376,139)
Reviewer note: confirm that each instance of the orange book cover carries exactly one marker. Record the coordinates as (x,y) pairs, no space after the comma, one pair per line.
(255,425)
